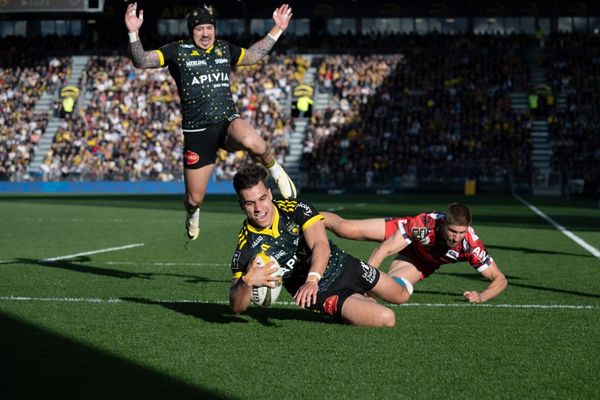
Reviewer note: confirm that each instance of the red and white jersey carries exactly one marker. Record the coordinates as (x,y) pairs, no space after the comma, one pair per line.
(424,233)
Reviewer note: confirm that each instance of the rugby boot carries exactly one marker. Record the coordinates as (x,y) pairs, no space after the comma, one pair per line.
(192,224)
(285,185)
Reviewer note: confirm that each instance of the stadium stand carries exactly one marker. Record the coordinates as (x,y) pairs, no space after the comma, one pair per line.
(572,65)
(129,129)
(24,79)
(438,112)
(392,110)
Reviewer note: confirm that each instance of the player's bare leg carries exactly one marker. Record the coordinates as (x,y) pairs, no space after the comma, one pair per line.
(196,181)
(390,290)
(356,229)
(406,270)
(242,136)
(363,311)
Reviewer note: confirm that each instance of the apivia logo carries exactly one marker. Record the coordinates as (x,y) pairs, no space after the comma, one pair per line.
(221,61)
(210,78)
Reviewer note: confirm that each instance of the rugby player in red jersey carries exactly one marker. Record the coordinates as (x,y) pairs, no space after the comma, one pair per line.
(423,243)
(200,66)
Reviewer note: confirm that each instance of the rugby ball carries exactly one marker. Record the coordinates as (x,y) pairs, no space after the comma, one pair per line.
(264,296)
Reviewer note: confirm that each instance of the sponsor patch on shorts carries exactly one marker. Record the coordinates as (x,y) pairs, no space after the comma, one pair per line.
(330,305)
(190,157)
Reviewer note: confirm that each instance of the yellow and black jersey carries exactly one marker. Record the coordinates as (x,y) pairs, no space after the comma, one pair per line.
(202,78)
(284,241)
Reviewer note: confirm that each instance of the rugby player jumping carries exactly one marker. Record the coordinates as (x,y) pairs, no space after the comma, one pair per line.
(200,67)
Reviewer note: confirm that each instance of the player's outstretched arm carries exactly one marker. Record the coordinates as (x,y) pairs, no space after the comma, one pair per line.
(498,283)
(139,57)
(281,16)
(390,246)
(356,229)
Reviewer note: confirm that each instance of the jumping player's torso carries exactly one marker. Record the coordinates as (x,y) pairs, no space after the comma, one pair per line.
(202,78)
(285,242)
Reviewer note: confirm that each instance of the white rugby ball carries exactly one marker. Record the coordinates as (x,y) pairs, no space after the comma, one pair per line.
(263,295)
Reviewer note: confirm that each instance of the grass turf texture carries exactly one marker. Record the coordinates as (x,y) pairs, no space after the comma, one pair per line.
(153,321)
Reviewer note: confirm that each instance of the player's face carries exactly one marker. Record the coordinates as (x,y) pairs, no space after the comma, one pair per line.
(204,35)
(258,205)
(454,234)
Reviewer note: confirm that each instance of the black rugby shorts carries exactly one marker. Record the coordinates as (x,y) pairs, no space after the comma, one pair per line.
(356,277)
(200,145)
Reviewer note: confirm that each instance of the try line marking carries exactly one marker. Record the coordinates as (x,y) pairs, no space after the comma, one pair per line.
(87,253)
(286,303)
(564,230)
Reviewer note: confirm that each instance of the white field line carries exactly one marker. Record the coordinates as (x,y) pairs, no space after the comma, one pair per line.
(289,303)
(595,252)
(164,264)
(332,209)
(147,264)
(87,253)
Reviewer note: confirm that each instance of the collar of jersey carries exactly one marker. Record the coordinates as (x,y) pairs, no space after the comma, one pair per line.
(273,230)
(207,51)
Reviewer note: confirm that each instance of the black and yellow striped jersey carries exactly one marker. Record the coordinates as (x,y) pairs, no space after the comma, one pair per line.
(285,242)
(202,78)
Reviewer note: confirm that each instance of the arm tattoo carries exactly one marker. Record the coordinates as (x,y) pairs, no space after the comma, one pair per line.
(141,58)
(258,50)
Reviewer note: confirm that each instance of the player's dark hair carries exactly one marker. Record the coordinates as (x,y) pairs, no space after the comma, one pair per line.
(199,16)
(458,214)
(249,176)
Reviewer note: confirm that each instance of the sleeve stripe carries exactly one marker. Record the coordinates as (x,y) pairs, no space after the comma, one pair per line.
(483,268)
(242,53)
(311,221)
(161,57)
(404,234)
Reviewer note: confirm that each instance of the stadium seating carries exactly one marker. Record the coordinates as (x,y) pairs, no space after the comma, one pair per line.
(436,109)
(440,110)
(573,69)
(24,78)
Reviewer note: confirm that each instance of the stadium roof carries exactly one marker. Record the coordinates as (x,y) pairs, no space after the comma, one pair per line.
(331,8)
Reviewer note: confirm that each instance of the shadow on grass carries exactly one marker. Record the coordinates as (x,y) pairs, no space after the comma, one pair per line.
(222,314)
(74,265)
(513,281)
(37,364)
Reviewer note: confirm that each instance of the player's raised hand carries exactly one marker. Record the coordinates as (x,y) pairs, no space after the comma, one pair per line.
(282,16)
(132,21)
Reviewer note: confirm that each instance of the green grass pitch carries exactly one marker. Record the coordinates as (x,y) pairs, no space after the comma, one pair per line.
(128,310)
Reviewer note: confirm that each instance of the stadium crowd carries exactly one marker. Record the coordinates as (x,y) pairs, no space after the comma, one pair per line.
(573,68)
(130,128)
(437,108)
(440,110)
(24,78)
